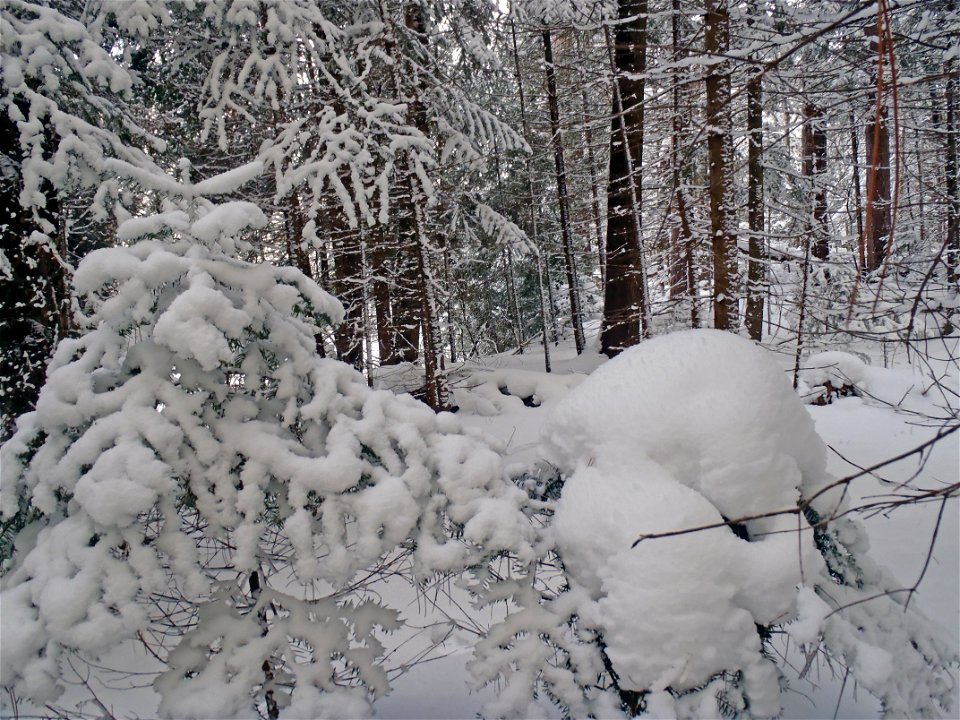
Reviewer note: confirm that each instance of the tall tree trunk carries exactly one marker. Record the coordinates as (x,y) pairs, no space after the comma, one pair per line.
(855,166)
(348,287)
(757,267)
(951,168)
(683,264)
(814,167)
(435,390)
(299,256)
(594,184)
(576,315)
(513,297)
(533,204)
(516,317)
(877,225)
(405,344)
(417,244)
(720,155)
(368,329)
(676,255)
(448,305)
(625,318)
(380,290)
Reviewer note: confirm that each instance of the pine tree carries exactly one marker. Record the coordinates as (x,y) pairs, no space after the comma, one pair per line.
(202,480)
(62,113)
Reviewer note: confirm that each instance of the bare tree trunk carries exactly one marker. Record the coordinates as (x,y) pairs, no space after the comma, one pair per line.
(594,183)
(380,290)
(368,329)
(297,254)
(855,163)
(686,271)
(435,391)
(757,268)
(677,255)
(878,162)
(625,317)
(814,167)
(451,327)
(533,204)
(951,167)
(576,315)
(348,274)
(405,345)
(720,154)
(516,320)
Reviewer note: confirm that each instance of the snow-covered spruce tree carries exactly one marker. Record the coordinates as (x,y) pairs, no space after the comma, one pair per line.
(373,131)
(62,112)
(198,477)
(695,445)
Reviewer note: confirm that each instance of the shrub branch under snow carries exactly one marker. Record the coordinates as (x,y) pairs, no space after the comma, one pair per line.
(687,431)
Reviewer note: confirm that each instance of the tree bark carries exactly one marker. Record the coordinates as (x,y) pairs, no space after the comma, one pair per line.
(417,242)
(348,286)
(877,135)
(757,267)
(624,314)
(576,315)
(855,166)
(814,167)
(951,167)
(380,290)
(677,254)
(720,157)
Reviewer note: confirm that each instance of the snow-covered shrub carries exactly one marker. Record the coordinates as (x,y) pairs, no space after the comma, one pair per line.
(696,519)
(824,375)
(198,477)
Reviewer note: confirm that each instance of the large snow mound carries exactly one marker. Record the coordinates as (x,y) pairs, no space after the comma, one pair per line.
(684,431)
(711,408)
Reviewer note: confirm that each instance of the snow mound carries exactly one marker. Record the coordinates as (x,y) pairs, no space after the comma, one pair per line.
(693,472)
(496,392)
(709,407)
(826,373)
(686,431)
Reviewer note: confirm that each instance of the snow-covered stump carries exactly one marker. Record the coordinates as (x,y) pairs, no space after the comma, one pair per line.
(693,474)
(826,375)
(194,476)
